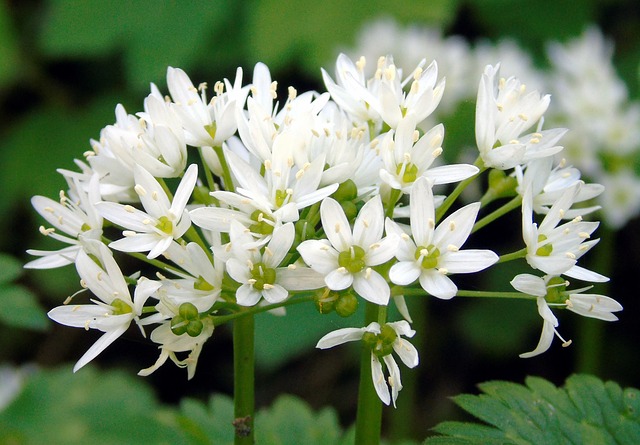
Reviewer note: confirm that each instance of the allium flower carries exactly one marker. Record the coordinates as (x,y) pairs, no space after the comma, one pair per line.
(383,341)
(114,310)
(503,113)
(551,290)
(163,221)
(257,267)
(556,249)
(407,158)
(431,253)
(346,257)
(75,216)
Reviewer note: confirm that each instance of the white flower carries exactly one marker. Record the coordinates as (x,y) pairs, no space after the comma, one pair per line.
(346,258)
(434,252)
(556,249)
(257,268)
(163,221)
(113,312)
(551,291)
(383,341)
(74,215)
(407,158)
(206,122)
(503,113)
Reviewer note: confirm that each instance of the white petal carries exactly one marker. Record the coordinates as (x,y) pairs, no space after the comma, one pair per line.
(338,279)
(335,224)
(545,341)
(379,382)
(319,255)
(99,346)
(276,294)
(446,174)
(529,284)
(369,224)
(372,287)
(300,278)
(467,261)
(184,190)
(437,284)
(407,352)
(404,272)
(339,337)
(382,251)
(247,295)
(422,212)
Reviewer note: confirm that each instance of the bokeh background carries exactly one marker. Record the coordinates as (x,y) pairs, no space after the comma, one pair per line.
(65,64)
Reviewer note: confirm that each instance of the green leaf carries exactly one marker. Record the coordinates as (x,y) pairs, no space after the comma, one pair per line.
(585,411)
(290,421)
(151,34)
(19,308)
(10,268)
(201,423)
(309,32)
(100,408)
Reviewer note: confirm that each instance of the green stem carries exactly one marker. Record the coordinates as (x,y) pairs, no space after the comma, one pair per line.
(448,202)
(211,183)
(512,256)
(226,173)
(221,319)
(489,294)
(511,205)
(369,414)
(394,196)
(244,380)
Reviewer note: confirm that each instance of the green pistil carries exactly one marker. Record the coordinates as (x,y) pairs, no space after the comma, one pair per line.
(281,197)
(85,227)
(187,321)
(381,344)
(410,172)
(352,259)
(262,275)
(165,225)
(430,259)
(202,284)
(263,225)
(211,129)
(556,290)
(120,307)
(546,249)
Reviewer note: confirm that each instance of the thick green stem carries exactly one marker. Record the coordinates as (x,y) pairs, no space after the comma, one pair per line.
(243,384)
(369,415)
(512,256)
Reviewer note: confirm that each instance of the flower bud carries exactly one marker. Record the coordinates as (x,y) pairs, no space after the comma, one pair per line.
(346,305)
(325,300)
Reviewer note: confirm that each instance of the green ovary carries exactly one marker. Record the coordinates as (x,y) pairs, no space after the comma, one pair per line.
(556,290)
(202,284)
(262,225)
(546,249)
(410,172)
(120,307)
(429,258)
(165,225)
(262,275)
(352,259)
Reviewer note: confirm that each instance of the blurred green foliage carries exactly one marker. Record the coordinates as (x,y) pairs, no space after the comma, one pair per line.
(65,64)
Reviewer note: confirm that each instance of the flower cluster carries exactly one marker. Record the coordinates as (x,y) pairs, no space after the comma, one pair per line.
(234,204)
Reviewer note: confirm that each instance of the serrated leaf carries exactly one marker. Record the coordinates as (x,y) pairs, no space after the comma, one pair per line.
(100,408)
(585,411)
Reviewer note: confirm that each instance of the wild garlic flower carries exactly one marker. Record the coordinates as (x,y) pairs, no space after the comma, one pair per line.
(163,221)
(383,340)
(504,112)
(555,249)
(347,256)
(551,291)
(431,253)
(114,309)
(408,157)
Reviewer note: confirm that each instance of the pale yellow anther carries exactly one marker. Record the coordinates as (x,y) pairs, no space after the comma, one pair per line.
(292,93)
(443,271)
(381,61)
(365,223)
(192,89)
(405,237)
(99,276)
(251,281)
(534,141)
(561,212)
(192,101)
(502,82)
(452,226)
(267,164)
(315,133)
(86,325)
(60,220)
(49,209)
(452,248)
(390,72)
(514,141)
(273,88)
(424,252)
(140,190)
(292,267)
(407,157)
(146,221)
(566,231)
(563,163)
(128,233)
(218,87)
(129,209)
(584,235)
(374,246)
(583,247)
(367,273)
(577,219)
(68,300)
(267,286)
(324,248)
(566,175)
(499,106)
(336,228)
(523,88)
(374,143)
(46,232)
(437,152)
(431,223)
(83,284)
(570,255)
(566,343)
(341,269)
(361,63)
(154,195)
(416,136)
(268,251)
(88,153)
(160,276)
(415,86)
(253,90)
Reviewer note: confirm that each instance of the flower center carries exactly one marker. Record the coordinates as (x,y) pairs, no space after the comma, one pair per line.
(187,320)
(352,259)
(546,249)
(556,288)
(262,275)
(202,284)
(408,171)
(381,344)
(120,307)
(263,225)
(428,256)
(165,225)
